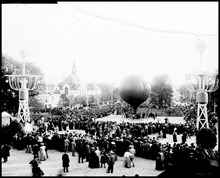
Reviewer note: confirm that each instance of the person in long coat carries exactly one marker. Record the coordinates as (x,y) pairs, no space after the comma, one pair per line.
(184,137)
(35,162)
(36,170)
(6,152)
(66,160)
(73,147)
(42,155)
(111,161)
(93,159)
(35,150)
(174,136)
(66,145)
(164,132)
(19,143)
(159,163)
(86,147)
(103,158)
(81,151)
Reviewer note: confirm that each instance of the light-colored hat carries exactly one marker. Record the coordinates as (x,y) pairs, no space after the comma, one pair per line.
(131,146)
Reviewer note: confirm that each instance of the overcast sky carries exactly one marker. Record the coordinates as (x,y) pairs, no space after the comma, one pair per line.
(110,40)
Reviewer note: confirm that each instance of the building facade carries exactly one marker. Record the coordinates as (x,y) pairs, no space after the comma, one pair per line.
(72,86)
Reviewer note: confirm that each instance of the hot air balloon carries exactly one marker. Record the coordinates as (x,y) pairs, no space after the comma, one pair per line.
(134,90)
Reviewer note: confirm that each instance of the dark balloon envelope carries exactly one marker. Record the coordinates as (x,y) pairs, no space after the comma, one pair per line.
(134,90)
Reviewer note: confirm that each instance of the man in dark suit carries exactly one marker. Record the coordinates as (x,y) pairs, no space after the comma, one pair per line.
(66,160)
(93,159)
(81,151)
(35,150)
(6,152)
(111,161)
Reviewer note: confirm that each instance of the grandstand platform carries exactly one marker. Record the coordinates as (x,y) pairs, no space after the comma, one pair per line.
(160,119)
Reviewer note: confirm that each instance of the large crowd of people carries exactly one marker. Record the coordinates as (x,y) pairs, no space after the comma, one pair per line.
(78,118)
(103,142)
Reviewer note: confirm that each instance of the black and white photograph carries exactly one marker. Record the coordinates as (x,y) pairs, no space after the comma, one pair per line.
(110,88)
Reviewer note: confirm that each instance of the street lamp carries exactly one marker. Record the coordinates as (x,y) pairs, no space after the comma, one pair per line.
(201,83)
(23,83)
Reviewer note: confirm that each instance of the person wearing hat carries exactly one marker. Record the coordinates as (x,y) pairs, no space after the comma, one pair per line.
(5,152)
(98,152)
(159,163)
(73,147)
(80,150)
(175,136)
(93,159)
(87,149)
(36,170)
(132,151)
(127,160)
(35,162)
(113,146)
(103,158)
(36,150)
(66,144)
(66,160)
(29,143)
(111,161)
(184,137)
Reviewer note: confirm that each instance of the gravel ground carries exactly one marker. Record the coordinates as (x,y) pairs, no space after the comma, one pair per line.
(18,165)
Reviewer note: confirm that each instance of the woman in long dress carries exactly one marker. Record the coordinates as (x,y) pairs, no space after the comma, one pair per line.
(174,136)
(93,159)
(42,155)
(127,161)
(98,153)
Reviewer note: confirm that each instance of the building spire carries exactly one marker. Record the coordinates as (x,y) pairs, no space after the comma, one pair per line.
(74,68)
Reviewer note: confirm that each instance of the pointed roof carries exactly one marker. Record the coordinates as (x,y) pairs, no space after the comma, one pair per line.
(72,78)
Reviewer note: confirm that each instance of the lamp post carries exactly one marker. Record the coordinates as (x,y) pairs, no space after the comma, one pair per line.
(201,83)
(23,83)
